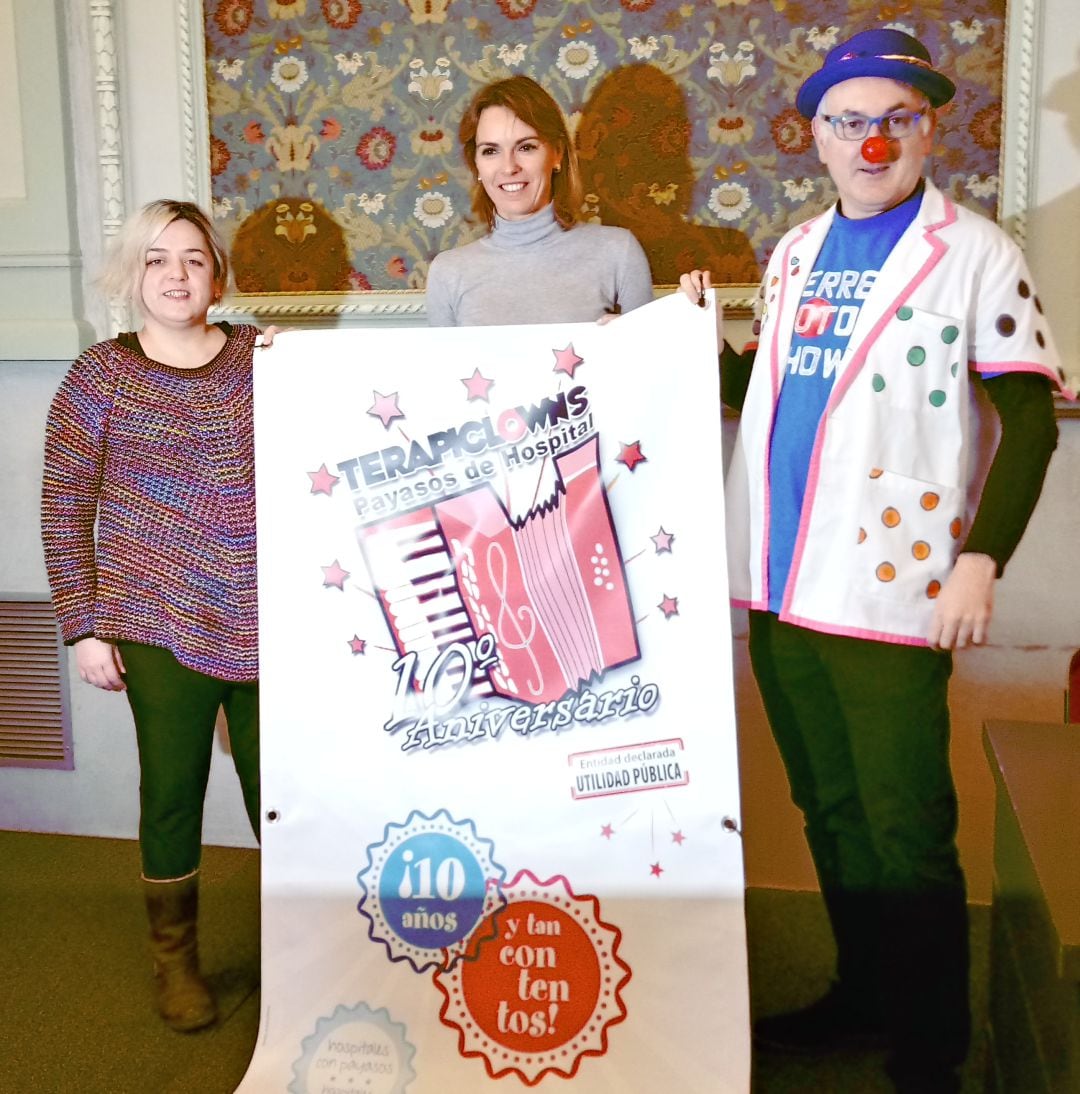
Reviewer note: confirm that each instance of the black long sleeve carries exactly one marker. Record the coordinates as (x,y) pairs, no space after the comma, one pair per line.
(1025,405)
(735,375)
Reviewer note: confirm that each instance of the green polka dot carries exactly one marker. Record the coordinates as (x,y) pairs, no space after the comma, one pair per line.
(878,382)
(937,398)
(950,335)
(955,367)
(904,313)
(916,355)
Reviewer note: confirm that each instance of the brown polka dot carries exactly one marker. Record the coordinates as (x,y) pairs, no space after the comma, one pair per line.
(890,517)
(929,500)
(876,473)
(1006,325)
(886,571)
(1040,339)
(862,535)
(1038,305)
(933,589)
(1024,289)
(920,549)
(955,527)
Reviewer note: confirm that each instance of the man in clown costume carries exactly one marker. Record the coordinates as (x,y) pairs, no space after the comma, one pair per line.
(865,540)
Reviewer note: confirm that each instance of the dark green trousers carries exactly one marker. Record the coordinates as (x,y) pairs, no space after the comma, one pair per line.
(863,730)
(175,710)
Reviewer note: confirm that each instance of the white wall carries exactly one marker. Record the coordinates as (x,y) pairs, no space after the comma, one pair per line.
(1054,218)
(40,290)
(1038,621)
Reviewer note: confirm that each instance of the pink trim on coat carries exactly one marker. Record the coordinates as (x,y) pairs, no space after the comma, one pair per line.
(851,632)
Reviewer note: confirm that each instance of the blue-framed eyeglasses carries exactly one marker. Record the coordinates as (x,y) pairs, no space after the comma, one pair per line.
(897,124)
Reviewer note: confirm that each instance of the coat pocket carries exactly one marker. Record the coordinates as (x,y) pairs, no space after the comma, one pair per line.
(908,534)
(925,366)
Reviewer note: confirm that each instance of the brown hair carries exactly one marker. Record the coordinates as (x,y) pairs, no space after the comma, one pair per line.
(125,264)
(529,102)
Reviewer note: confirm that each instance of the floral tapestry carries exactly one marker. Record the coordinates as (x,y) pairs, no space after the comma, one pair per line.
(334,159)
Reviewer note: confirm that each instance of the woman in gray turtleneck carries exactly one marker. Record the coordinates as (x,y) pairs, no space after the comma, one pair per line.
(537,264)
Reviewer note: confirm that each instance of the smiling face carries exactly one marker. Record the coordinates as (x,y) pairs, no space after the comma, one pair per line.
(867,188)
(514,163)
(178,282)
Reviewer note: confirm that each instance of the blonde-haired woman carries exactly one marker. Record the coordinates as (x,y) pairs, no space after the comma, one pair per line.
(149,440)
(538,263)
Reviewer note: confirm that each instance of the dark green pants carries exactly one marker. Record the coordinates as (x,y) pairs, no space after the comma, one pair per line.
(175,711)
(863,730)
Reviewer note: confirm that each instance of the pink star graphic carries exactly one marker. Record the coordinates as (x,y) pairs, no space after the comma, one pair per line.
(357,645)
(478,386)
(322,482)
(631,455)
(334,576)
(663,540)
(385,407)
(566,360)
(678,837)
(607,831)
(656,869)
(669,606)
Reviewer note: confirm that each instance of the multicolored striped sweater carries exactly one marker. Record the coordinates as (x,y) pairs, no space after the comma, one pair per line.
(164,460)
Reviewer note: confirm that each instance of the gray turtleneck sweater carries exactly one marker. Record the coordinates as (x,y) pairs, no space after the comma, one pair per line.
(532,271)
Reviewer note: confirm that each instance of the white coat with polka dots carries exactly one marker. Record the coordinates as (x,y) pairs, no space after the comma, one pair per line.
(892,481)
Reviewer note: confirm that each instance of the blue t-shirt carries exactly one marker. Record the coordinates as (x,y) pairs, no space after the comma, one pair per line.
(847,266)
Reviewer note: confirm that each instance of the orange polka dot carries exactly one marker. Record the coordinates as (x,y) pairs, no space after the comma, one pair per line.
(920,549)
(886,571)
(933,589)
(862,535)
(929,500)
(876,472)
(890,517)
(955,528)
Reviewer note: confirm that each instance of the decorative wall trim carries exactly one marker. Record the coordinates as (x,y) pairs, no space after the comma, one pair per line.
(408,303)
(192,51)
(30,259)
(12,135)
(1023,20)
(110,150)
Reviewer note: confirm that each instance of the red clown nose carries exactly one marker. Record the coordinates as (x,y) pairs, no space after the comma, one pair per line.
(875,149)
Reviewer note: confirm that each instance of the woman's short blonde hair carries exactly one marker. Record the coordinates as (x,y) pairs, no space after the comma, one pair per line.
(125,263)
(527,100)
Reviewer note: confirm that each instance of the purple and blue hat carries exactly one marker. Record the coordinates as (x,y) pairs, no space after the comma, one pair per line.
(890,54)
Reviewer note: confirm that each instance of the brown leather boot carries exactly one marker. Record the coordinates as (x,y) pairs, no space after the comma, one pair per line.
(183,999)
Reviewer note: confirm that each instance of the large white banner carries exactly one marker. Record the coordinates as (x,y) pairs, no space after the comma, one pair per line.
(500,794)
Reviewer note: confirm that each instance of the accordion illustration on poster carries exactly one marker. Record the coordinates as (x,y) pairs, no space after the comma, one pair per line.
(550,588)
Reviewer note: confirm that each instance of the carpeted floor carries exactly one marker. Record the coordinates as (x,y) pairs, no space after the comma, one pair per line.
(75,1004)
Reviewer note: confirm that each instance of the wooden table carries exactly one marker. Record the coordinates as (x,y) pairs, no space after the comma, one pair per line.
(1034,1015)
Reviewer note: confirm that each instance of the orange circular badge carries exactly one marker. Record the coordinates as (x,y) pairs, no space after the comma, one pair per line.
(539,990)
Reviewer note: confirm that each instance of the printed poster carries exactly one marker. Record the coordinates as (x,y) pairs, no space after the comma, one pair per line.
(500,843)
